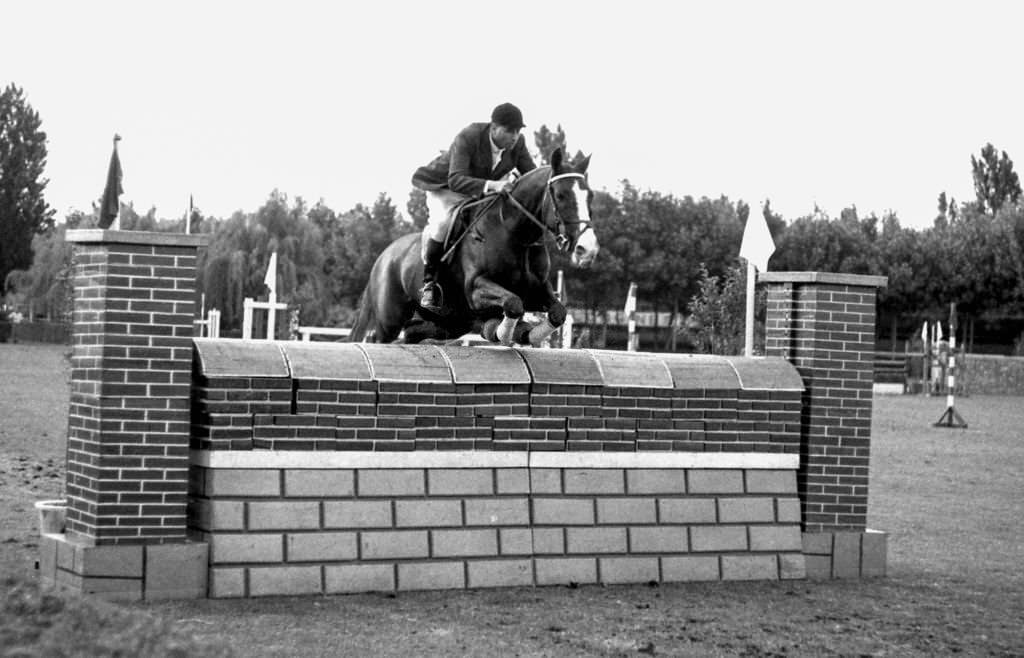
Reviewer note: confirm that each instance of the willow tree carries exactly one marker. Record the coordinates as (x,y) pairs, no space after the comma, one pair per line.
(235,264)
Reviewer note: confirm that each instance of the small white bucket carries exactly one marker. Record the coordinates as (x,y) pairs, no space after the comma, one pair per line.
(51,515)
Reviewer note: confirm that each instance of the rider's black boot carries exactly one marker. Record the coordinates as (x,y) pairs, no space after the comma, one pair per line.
(431,293)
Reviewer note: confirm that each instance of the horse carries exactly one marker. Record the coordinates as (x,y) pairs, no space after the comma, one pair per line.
(498,269)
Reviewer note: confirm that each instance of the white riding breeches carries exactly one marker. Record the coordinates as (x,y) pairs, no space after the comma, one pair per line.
(440,204)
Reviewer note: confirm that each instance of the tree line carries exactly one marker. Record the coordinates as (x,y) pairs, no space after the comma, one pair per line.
(681,251)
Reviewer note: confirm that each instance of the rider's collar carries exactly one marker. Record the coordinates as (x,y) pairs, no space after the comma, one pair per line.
(495,151)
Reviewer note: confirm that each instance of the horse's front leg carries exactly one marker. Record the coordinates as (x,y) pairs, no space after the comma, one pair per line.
(486,294)
(553,319)
(542,296)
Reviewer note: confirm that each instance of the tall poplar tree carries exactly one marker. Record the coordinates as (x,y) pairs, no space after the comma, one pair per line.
(24,212)
(995,181)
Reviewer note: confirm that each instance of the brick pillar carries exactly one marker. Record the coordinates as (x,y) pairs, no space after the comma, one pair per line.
(127,470)
(824,324)
(129,421)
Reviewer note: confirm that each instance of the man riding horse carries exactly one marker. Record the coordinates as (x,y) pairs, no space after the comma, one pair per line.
(483,159)
(499,264)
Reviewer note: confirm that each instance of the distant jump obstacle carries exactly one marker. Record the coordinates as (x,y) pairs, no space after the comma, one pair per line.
(950,417)
(220,468)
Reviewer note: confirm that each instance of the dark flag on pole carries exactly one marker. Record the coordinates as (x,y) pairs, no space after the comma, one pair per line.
(110,207)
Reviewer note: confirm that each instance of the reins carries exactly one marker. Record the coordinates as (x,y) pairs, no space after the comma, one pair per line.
(561,240)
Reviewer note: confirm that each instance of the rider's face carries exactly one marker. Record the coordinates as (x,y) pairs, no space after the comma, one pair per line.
(504,137)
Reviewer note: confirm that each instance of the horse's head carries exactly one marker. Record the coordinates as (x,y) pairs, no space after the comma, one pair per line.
(570,208)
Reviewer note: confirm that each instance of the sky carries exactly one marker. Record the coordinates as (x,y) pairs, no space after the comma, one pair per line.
(806,104)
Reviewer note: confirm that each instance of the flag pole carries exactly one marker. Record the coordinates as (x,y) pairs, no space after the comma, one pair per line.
(270,280)
(110,204)
(756,248)
(116,225)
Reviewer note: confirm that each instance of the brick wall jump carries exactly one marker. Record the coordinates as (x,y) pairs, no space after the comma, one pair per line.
(310,396)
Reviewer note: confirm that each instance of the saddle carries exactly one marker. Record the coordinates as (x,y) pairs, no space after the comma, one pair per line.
(463,217)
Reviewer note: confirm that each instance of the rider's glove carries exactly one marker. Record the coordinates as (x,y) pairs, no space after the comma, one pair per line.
(495,186)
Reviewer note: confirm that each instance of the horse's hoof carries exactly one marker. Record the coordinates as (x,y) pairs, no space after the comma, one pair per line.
(521,336)
(540,333)
(489,331)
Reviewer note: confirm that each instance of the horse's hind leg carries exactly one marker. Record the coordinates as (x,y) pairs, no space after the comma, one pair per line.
(552,321)
(521,334)
(542,298)
(418,330)
(487,294)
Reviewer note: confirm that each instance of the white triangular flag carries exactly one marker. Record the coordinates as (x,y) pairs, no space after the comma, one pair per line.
(630,300)
(271,279)
(757,246)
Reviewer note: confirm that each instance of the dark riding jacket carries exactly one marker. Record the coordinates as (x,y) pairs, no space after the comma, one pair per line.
(466,166)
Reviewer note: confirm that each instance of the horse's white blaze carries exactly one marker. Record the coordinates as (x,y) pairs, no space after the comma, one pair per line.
(586,243)
(586,248)
(581,203)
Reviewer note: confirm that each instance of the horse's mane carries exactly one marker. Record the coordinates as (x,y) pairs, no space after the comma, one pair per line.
(533,181)
(528,177)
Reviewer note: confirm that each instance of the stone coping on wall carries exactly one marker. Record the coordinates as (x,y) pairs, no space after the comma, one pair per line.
(480,459)
(836,278)
(481,365)
(148,238)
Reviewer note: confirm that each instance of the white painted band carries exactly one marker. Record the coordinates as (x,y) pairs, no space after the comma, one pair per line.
(771,460)
(358,459)
(309,459)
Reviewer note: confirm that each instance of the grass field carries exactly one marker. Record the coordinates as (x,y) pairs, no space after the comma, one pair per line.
(952,501)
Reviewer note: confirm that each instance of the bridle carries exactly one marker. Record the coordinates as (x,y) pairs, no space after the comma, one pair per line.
(562,241)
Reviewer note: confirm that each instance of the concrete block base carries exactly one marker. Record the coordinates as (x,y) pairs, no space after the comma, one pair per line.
(467,519)
(845,554)
(125,572)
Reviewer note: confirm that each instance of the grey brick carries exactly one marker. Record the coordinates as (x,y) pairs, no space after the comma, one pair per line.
(596,540)
(357,514)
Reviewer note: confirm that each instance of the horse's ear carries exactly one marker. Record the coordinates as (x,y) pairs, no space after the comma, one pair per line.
(581,165)
(556,159)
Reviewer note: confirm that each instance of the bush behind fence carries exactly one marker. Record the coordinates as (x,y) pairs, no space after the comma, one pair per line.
(40,331)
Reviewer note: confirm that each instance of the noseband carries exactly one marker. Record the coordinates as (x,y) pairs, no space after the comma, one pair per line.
(561,239)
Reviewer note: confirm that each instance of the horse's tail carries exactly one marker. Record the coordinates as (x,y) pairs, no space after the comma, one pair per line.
(364,315)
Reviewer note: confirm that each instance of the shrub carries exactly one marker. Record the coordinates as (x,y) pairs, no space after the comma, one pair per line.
(35,621)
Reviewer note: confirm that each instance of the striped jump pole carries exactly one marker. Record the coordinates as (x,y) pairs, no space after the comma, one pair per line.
(950,418)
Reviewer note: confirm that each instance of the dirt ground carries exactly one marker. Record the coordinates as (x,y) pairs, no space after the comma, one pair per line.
(951,500)
(33,426)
